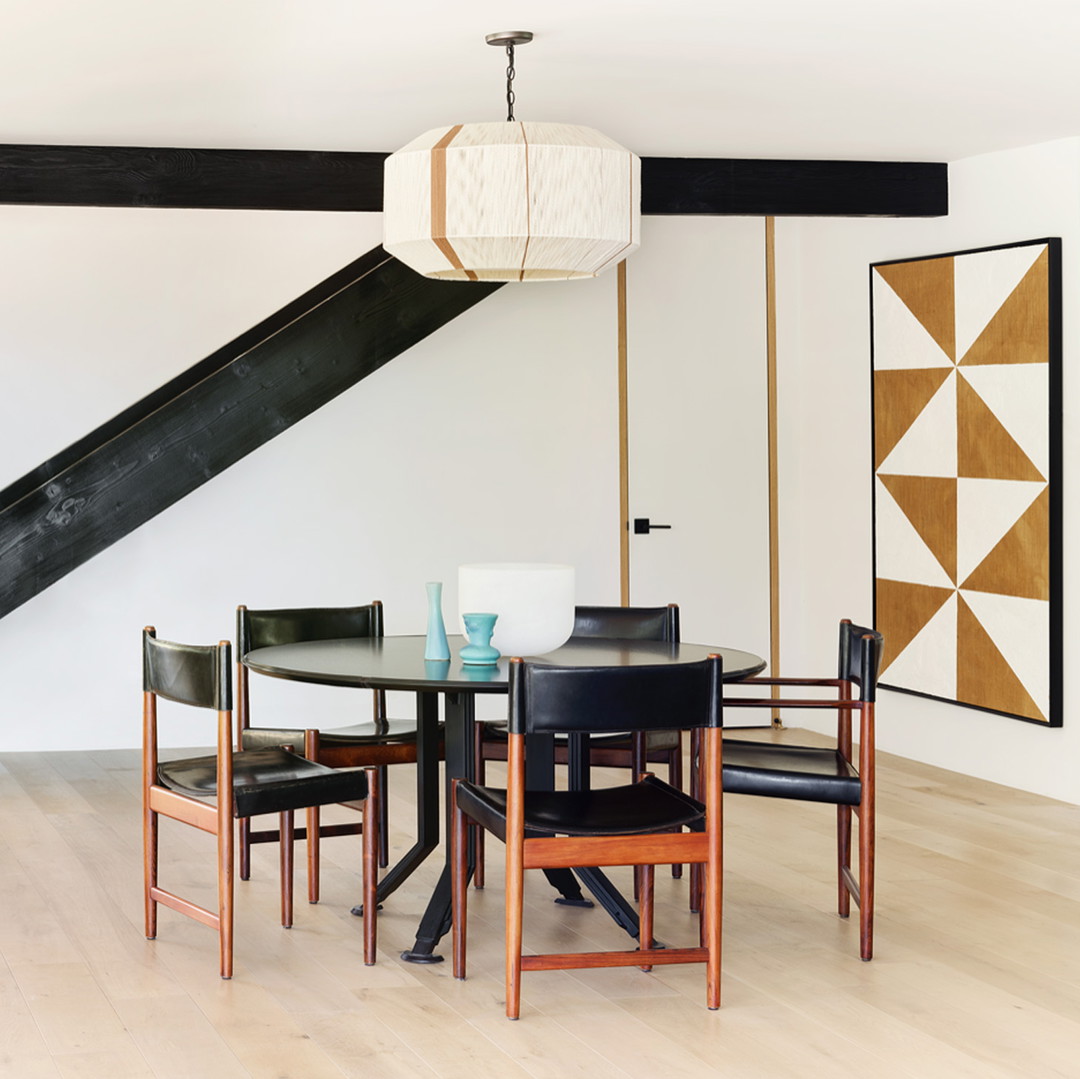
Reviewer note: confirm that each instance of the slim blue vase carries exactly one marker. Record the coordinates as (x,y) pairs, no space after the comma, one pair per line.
(479,652)
(436,646)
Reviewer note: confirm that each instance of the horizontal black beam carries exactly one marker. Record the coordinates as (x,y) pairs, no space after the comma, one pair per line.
(346,181)
(174,178)
(165,446)
(688,185)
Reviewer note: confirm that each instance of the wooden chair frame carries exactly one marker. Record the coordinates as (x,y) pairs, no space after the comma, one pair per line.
(523,852)
(637,757)
(217,818)
(379,755)
(846,702)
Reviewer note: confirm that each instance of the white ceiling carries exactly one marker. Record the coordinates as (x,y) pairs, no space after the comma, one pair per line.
(869,79)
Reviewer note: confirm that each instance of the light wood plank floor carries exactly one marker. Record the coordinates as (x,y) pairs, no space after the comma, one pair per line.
(977,971)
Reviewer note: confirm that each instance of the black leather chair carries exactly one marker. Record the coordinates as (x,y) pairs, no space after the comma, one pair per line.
(830,774)
(618,750)
(271,780)
(638,824)
(380,742)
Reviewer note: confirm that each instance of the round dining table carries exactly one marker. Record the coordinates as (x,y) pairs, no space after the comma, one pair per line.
(398,663)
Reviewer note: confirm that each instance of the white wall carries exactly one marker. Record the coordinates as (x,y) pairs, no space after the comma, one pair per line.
(493,439)
(824,359)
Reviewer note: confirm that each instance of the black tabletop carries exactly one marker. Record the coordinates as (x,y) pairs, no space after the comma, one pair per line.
(398,662)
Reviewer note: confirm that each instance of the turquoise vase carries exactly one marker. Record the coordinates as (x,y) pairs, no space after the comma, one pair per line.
(479,652)
(436,646)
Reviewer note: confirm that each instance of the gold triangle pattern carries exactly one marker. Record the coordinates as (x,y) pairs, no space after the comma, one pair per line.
(906,393)
(1019,331)
(913,420)
(929,503)
(984,449)
(902,611)
(1019,565)
(983,675)
(926,288)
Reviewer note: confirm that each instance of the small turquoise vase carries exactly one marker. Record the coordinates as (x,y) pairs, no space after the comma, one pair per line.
(479,652)
(436,646)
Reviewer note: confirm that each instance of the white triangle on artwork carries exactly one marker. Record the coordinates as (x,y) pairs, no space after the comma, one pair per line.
(901,341)
(928,664)
(928,446)
(983,281)
(900,553)
(1018,394)
(1021,630)
(985,511)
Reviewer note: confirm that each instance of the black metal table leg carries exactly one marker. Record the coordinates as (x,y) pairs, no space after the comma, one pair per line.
(607,895)
(427,800)
(540,776)
(460,723)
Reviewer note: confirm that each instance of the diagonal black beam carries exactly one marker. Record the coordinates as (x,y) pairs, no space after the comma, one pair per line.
(329,180)
(162,448)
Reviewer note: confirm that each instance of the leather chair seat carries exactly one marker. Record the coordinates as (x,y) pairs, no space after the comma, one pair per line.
(633,809)
(266,781)
(807,773)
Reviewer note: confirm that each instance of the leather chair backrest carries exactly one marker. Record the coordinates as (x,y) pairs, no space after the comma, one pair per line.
(860,658)
(628,623)
(263,628)
(607,699)
(192,674)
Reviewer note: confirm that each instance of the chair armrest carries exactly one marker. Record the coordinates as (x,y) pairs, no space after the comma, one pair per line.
(780,702)
(758,681)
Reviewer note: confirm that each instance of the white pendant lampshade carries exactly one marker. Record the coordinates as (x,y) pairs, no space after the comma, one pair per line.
(534,602)
(511,201)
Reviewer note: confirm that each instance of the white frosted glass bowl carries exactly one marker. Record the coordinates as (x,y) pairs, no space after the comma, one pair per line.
(534,602)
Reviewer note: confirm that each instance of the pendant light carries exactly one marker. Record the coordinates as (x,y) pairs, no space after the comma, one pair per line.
(513,201)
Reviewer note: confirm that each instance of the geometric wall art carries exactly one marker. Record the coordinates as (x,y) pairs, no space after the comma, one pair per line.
(967,477)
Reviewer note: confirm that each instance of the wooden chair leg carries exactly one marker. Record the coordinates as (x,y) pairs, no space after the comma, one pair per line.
(459,858)
(478,870)
(843,859)
(713,869)
(150,870)
(384,818)
(480,768)
(697,787)
(713,913)
(245,848)
(515,871)
(645,911)
(225,897)
(675,778)
(312,822)
(285,857)
(372,822)
(866,883)
(515,894)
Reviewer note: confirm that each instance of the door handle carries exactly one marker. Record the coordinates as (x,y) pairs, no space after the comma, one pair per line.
(642,527)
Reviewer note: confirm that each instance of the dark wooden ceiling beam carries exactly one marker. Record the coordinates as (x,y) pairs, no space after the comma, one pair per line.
(164,447)
(346,181)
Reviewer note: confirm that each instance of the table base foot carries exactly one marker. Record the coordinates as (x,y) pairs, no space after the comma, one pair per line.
(421,957)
